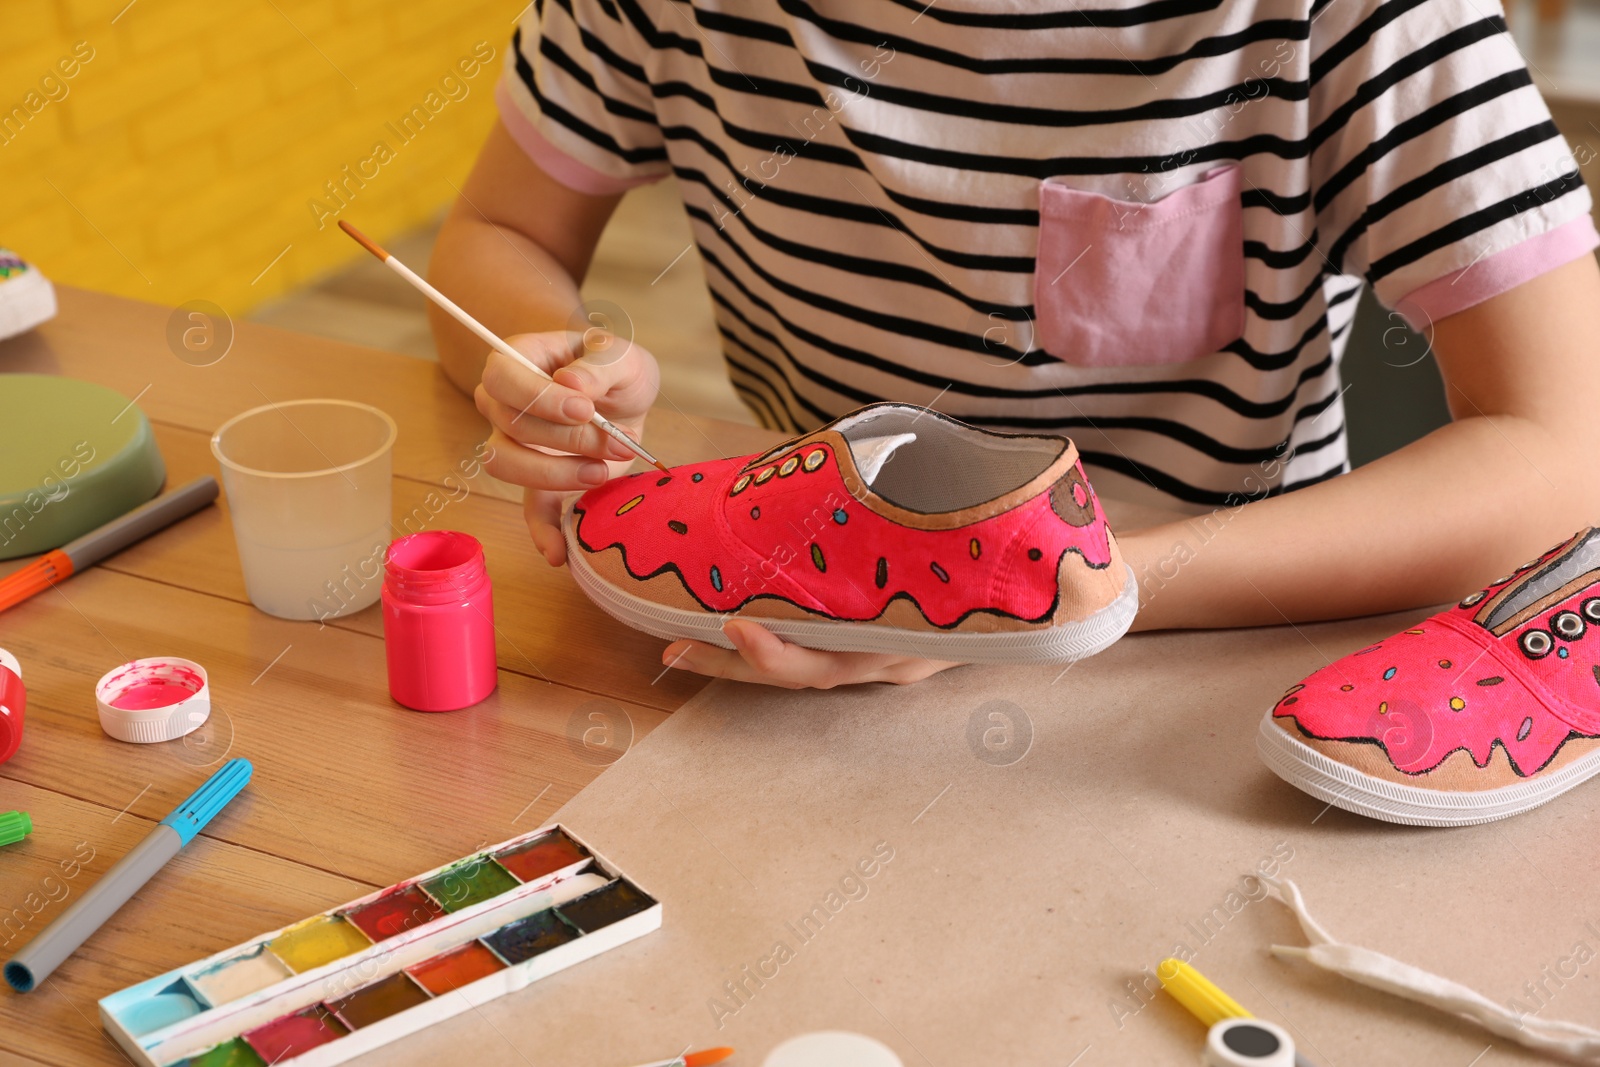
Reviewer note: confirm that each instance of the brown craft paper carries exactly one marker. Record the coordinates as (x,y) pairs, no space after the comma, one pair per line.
(1038,840)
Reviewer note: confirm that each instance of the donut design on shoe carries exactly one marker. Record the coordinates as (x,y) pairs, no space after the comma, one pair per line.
(1486,709)
(893,528)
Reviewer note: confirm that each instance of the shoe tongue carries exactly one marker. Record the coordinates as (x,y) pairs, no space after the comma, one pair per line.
(871,453)
(1581,559)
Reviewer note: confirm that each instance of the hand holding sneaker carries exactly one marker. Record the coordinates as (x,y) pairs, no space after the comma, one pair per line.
(761,656)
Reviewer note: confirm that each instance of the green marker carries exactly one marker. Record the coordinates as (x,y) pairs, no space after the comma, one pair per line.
(14,826)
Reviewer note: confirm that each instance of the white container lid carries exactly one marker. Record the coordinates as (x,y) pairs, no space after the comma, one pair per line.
(155,699)
(832,1048)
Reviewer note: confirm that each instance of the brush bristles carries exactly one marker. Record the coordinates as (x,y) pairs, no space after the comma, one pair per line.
(705,1057)
(363,240)
(467,320)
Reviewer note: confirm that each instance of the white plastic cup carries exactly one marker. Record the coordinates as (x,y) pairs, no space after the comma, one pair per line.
(308,489)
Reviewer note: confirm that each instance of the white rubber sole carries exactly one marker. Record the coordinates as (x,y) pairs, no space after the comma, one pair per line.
(1345,787)
(25,301)
(1057,644)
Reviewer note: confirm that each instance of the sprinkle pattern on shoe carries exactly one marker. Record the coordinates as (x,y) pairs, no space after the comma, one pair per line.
(1485,709)
(892,515)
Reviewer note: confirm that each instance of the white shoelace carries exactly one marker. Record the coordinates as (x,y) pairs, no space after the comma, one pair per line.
(1374,969)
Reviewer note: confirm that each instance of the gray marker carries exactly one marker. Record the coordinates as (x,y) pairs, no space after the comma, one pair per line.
(113,537)
(140,523)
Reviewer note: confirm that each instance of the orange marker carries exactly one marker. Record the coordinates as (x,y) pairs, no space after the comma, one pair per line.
(62,563)
(704,1058)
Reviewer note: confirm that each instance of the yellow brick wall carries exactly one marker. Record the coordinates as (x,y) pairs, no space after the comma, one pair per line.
(172,149)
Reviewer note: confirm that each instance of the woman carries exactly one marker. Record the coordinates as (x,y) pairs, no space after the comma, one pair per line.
(1141,226)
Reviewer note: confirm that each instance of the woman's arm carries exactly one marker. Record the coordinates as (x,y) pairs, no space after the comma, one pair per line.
(1516,471)
(512,251)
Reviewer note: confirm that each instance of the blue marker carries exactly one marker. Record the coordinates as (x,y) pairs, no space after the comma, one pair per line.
(61,938)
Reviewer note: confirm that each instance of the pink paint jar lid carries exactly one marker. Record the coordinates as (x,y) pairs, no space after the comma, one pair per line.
(155,699)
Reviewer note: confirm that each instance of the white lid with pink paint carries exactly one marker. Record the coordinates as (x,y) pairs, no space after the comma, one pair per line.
(155,699)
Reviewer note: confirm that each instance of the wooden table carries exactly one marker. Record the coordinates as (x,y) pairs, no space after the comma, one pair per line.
(1028,897)
(351,792)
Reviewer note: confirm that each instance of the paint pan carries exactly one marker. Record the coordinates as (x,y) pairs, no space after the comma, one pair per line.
(308,945)
(234,1053)
(527,938)
(376,1002)
(605,906)
(238,977)
(173,1004)
(470,882)
(456,968)
(541,857)
(340,984)
(397,911)
(293,1035)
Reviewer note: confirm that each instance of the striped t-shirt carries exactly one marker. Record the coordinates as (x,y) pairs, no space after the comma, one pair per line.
(1142,225)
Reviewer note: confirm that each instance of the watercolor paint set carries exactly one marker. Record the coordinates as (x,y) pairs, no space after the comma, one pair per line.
(344,982)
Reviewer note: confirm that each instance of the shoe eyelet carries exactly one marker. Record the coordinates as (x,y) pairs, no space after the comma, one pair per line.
(1591,609)
(789,466)
(1536,644)
(814,459)
(740,485)
(1478,596)
(1568,625)
(766,476)
(1503,581)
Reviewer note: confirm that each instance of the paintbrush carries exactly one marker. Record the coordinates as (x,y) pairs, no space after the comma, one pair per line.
(487,337)
(703,1058)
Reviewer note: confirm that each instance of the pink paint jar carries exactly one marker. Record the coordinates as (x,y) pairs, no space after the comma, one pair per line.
(438,621)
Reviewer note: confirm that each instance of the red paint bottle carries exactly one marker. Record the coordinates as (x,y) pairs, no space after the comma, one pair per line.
(438,621)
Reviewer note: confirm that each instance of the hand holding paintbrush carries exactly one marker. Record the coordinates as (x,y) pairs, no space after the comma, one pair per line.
(488,337)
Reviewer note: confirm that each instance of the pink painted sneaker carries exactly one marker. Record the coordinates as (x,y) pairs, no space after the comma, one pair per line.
(26,296)
(1483,711)
(892,529)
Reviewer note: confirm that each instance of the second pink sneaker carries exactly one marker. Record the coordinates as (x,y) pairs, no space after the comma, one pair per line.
(1482,711)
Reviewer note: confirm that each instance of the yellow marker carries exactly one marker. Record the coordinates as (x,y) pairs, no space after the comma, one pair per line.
(1194,991)
(1205,1001)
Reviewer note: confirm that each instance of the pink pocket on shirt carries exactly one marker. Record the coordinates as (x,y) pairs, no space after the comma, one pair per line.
(1120,283)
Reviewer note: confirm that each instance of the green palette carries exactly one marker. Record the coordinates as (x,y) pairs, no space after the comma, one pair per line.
(73,456)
